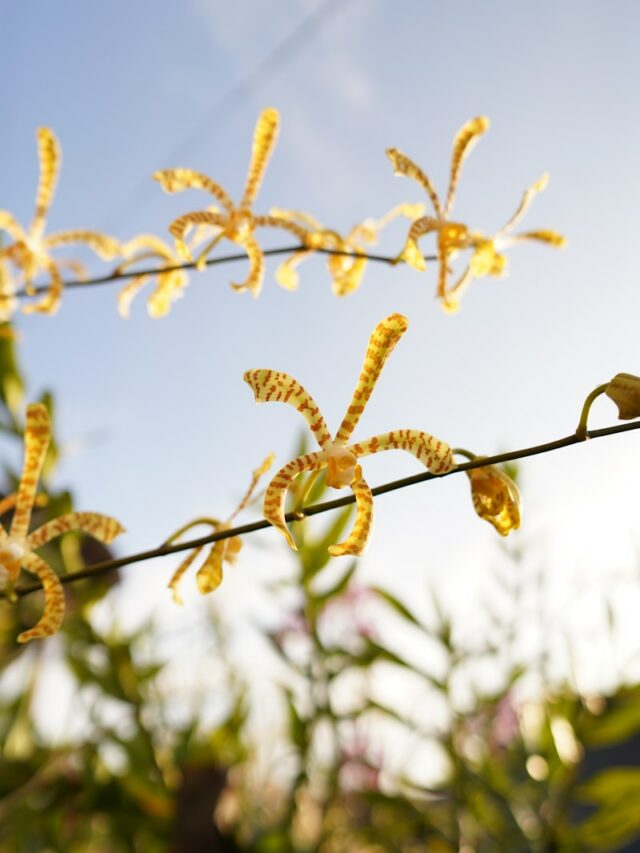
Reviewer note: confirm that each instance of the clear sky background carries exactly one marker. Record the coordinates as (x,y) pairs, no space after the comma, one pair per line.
(158,423)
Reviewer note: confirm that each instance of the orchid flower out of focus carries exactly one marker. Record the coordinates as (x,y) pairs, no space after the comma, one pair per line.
(495,496)
(209,575)
(17,546)
(236,223)
(170,283)
(336,455)
(452,236)
(30,250)
(346,269)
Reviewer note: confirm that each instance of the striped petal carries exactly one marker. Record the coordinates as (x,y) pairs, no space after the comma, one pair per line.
(180,226)
(433,453)
(286,274)
(169,288)
(411,253)
(37,435)
(49,155)
(264,466)
(177,180)
(356,542)
(298,217)
(381,343)
(403,166)
(273,386)
(276,494)
(253,282)
(465,139)
(104,246)
(101,527)
(150,244)
(209,575)
(54,603)
(264,139)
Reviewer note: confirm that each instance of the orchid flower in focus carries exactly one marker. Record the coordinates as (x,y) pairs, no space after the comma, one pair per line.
(339,458)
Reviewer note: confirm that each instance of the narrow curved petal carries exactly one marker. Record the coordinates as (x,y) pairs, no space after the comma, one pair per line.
(276,494)
(13,228)
(552,238)
(54,604)
(128,292)
(464,141)
(184,566)
(177,180)
(356,542)
(273,386)
(525,203)
(181,225)
(170,287)
(276,222)
(209,575)
(49,156)
(8,302)
(433,453)
(253,281)
(286,274)
(264,466)
(451,299)
(298,217)
(150,244)
(104,246)
(101,527)
(50,302)
(37,435)
(381,343)
(411,252)
(265,136)
(403,165)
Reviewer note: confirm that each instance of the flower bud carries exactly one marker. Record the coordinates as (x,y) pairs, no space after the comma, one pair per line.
(624,390)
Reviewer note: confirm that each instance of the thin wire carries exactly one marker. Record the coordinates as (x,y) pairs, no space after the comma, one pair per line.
(317,509)
(283,52)
(392,260)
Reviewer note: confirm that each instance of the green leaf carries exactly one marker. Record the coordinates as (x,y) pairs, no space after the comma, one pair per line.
(401,609)
(337,589)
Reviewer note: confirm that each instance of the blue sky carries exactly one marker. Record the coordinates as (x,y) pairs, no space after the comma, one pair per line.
(160,426)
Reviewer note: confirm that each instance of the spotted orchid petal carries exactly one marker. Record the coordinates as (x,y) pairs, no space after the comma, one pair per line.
(463,143)
(381,343)
(404,166)
(411,253)
(276,222)
(101,527)
(431,451)
(54,603)
(551,238)
(264,140)
(170,287)
(356,542)
(273,386)
(525,203)
(177,180)
(49,156)
(276,493)
(104,246)
(50,302)
(253,282)
(256,475)
(298,217)
(37,435)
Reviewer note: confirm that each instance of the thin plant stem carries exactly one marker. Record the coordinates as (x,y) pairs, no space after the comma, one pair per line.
(164,550)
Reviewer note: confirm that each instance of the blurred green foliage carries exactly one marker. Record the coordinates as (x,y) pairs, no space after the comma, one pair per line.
(549,773)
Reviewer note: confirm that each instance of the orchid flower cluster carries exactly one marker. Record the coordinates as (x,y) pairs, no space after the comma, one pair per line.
(28,252)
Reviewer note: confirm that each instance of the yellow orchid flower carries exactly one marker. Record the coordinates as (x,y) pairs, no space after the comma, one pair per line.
(495,496)
(346,270)
(236,223)
(170,284)
(453,237)
(30,250)
(18,546)
(209,575)
(339,458)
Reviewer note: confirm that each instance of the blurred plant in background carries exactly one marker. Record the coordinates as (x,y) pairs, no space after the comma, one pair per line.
(378,749)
